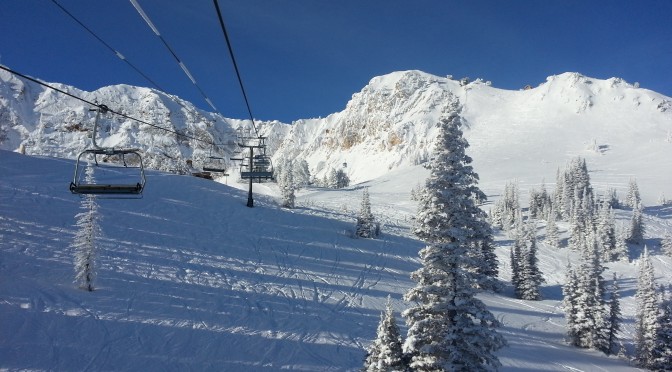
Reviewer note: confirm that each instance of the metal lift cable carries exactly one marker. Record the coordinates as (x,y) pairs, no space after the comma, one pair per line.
(117,53)
(235,65)
(179,62)
(121,56)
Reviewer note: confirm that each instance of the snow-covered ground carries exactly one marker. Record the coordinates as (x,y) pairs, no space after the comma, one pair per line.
(191,279)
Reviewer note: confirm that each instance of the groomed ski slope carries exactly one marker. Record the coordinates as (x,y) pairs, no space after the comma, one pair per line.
(191,279)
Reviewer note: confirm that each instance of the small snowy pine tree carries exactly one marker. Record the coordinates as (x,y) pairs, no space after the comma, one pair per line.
(621,252)
(86,237)
(589,323)
(637,228)
(552,231)
(666,244)
(633,199)
(614,320)
(569,304)
(286,184)
(385,353)
(662,349)
(366,225)
(531,277)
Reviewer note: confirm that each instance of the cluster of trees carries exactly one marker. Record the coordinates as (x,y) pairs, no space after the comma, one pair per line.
(334,179)
(591,223)
(449,329)
(525,274)
(592,311)
(592,308)
(291,175)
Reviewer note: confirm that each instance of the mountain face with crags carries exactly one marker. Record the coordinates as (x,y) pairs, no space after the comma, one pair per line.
(40,121)
(389,124)
(392,123)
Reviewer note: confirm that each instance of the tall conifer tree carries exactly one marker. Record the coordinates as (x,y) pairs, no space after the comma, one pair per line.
(646,318)
(448,327)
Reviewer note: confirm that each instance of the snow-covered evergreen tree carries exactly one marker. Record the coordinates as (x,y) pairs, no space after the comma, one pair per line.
(342,179)
(285,181)
(646,317)
(621,251)
(633,198)
(579,226)
(530,278)
(85,242)
(636,233)
(552,231)
(605,229)
(366,224)
(662,200)
(483,250)
(503,214)
(385,353)
(301,173)
(662,349)
(514,255)
(448,327)
(590,314)
(539,202)
(614,319)
(666,244)
(573,188)
(569,304)
(612,198)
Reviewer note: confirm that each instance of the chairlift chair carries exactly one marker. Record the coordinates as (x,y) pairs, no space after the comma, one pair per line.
(215,164)
(110,186)
(261,169)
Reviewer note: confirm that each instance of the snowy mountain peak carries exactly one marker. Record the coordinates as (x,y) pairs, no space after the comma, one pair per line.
(389,124)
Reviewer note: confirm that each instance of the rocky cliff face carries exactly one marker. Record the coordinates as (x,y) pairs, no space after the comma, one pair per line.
(391,122)
(41,121)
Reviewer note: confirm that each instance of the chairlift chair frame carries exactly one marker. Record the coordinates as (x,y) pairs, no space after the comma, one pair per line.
(116,190)
(215,164)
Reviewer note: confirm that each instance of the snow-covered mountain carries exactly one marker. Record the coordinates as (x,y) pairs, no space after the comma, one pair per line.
(391,123)
(41,121)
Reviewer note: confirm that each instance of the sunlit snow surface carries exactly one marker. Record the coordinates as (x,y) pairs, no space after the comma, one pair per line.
(191,279)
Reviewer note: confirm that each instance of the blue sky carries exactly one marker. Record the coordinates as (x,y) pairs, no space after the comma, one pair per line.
(305,58)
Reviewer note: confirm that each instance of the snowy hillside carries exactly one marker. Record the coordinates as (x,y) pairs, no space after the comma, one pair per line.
(391,123)
(191,279)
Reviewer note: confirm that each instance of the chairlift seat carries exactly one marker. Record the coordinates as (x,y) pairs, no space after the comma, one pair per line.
(91,188)
(256,174)
(77,186)
(214,169)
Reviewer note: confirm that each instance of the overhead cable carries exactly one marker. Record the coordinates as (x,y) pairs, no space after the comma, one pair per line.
(179,62)
(116,52)
(121,56)
(235,65)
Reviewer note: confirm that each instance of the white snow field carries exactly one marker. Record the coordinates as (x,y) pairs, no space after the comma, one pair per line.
(191,279)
